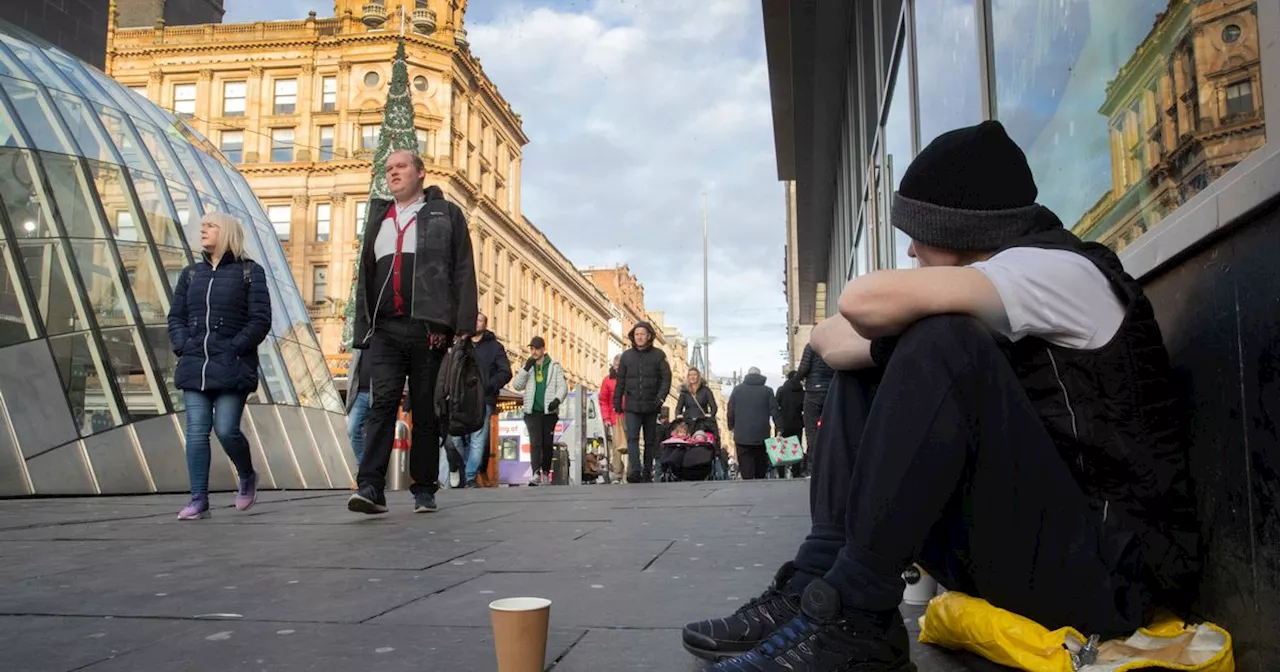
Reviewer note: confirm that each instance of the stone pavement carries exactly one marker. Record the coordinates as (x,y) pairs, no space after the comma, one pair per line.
(298,583)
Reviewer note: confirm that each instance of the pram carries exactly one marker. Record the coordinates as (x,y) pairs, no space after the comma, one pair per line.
(686,459)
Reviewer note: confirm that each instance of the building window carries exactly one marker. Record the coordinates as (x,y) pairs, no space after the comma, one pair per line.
(369,137)
(511,184)
(279,216)
(362,211)
(497,264)
(420,83)
(422,140)
(140,90)
(281,145)
(324,216)
(1059,123)
(184,100)
(319,284)
(328,94)
(233,94)
(371,79)
(232,146)
(326,143)
(1231,33)
(286,100)
(1240,98)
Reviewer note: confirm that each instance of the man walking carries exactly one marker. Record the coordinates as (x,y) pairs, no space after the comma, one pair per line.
(495,371)
(816,376)
(613,424)
(415,293)
(751,407)
(791,417)
(542,402)
(644,380)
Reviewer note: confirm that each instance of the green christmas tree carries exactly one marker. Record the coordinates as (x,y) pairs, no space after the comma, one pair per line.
(397,134)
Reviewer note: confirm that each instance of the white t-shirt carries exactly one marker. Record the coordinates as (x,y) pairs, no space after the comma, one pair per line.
(1056,295)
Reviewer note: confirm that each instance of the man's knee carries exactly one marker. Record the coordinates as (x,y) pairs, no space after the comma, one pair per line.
(962,332)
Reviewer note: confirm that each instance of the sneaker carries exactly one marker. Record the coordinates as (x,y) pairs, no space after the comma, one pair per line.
(455,479)
(471,484)
(750,625)
(825,638)
(424,502)
(535,480)
(368,501)
(196,509)
(248,494)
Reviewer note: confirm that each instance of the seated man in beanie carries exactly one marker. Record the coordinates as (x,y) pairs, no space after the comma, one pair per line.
(1023,447)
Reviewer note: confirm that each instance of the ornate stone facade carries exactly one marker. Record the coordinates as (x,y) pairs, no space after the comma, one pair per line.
(300,103)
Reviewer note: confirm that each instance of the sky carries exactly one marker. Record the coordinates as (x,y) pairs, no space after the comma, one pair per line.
(634,109)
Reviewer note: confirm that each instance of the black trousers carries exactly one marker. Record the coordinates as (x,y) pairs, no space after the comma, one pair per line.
(542,428)
(399,351)
(943,460)
(648,424)
(753,461)
(813,403)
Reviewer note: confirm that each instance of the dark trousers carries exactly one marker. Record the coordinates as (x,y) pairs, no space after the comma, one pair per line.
(753,461)
(399,351)
(944,461)
(636,423)
(813,403)
(542,428)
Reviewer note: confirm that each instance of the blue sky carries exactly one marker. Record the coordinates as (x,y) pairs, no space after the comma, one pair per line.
(633,108)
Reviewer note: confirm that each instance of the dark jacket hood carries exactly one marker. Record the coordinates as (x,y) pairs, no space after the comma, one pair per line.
(433,193)
(488,336)
(631,335)
(754,379)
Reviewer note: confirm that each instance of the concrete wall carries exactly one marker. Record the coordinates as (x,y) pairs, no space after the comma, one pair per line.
(1220,311)
(76,26)
(143,13)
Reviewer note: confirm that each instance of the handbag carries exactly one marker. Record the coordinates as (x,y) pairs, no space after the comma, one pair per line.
(784,450)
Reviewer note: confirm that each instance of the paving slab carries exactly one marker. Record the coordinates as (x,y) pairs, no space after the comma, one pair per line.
(299,583)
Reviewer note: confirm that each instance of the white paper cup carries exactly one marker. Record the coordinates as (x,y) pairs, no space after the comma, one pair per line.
(920,586)
(520,632)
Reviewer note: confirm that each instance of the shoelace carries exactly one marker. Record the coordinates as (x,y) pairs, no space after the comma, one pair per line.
(760,601)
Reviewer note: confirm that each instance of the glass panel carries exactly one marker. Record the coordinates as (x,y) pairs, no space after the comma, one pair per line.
(279,316)
(247,198)
(1127,110)
(252,248)
(319,370)
(232,146)
(157,213)
(16,324)
(126,140)
(102,284)
(10,136)
(222,185)
(286,96)
(188,213)
(184,99)
(166,362)
(187,156)
(131,104)
(324,219)
(81,116)
(295,364)
(84,380)
(210,203)
(233,95)
(37,63)
(80,216)
(23,195)
(173,261)
(70,67)
(281,145)
(145,281)
(37,115)
(948,68)
(897,135)
(280,217)
(273,373)
(10,65)
(49,273)
(134,378)
(161,152)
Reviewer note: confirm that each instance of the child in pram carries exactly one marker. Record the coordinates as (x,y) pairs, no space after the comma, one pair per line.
(686,456)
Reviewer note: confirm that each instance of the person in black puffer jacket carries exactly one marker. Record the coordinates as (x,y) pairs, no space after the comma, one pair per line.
(221,312)
(751,408)
(644,380)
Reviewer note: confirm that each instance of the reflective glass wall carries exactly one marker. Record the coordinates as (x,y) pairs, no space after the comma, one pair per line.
(1126,110)
(100,192)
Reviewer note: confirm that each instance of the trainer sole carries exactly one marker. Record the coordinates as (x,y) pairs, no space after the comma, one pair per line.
(359,504)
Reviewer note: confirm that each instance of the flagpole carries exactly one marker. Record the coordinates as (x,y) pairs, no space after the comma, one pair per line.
(706,329)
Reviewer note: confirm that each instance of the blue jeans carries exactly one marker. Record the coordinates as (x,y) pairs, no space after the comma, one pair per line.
(473,446)
(219,412)
(355,424)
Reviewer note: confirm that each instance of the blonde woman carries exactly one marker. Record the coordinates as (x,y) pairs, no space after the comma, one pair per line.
(221,313)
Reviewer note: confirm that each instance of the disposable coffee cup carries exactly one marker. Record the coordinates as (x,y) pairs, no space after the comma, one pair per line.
(520,632)
(920,586)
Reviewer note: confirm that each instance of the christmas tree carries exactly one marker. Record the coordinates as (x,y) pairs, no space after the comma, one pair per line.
(397,134)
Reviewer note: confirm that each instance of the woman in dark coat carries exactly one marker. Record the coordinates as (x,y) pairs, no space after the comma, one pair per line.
(221,312)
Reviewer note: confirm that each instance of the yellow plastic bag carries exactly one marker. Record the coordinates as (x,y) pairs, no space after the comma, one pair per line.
(958,621)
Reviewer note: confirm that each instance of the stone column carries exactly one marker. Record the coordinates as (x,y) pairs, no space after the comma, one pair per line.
(255,101)
(302,134)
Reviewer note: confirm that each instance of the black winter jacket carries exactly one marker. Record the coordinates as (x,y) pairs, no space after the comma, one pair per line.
(644,381)
(495,367)
(751,407)
(814,372)
(444,274)
(216,323)
(694,408)
(790,408)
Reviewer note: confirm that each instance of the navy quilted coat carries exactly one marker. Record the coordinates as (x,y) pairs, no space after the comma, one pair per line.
(216,324)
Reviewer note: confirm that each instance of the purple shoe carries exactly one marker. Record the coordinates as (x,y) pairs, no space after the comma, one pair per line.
(248,494)
(196,509)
